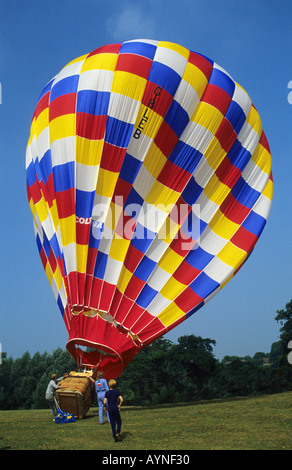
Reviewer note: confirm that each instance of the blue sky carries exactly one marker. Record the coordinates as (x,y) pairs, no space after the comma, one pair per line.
(252,40)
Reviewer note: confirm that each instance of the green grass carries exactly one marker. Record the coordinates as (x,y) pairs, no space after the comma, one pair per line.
(262,423)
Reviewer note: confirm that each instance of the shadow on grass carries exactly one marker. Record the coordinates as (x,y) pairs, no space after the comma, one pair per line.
(94,411)
(4,447)
(126,434)
(190,403)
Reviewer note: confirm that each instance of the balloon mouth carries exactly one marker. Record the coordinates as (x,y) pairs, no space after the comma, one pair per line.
(95,356)
(100,344)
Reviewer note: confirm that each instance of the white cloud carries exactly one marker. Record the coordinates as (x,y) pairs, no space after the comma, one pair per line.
(132,22)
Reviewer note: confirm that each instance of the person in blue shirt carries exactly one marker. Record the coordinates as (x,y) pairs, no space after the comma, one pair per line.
(101,387)
(112,396)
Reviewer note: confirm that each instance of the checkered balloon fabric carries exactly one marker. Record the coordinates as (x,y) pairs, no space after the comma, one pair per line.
(149,180)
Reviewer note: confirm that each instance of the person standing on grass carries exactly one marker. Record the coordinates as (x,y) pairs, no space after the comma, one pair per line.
(101,387)
(50,394)
(111,402)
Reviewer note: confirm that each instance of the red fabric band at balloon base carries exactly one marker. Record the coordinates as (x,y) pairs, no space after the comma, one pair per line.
(95,332)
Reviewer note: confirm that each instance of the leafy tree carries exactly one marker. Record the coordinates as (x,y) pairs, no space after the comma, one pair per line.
(23,381)
(147,374)
(194,362)
(276,354)
(284,316)
(284,372)
(259,357)
(6,388)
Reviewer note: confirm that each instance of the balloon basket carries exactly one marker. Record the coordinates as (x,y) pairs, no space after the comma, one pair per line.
(76,394)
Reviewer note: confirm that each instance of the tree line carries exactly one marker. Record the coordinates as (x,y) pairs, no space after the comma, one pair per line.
(163,372)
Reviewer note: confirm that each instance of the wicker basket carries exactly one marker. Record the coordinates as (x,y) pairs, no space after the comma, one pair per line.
(76,394)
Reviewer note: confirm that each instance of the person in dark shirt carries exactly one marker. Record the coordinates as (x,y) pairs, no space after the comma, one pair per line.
(112,396)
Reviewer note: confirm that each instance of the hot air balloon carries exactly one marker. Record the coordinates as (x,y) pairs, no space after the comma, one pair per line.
(149,180)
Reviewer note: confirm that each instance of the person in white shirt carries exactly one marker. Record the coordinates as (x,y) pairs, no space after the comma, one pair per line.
(50,394)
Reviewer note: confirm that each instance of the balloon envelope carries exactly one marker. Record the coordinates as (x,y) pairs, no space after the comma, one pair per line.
(149,179)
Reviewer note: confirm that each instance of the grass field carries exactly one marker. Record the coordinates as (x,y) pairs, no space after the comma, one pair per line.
(257,423)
